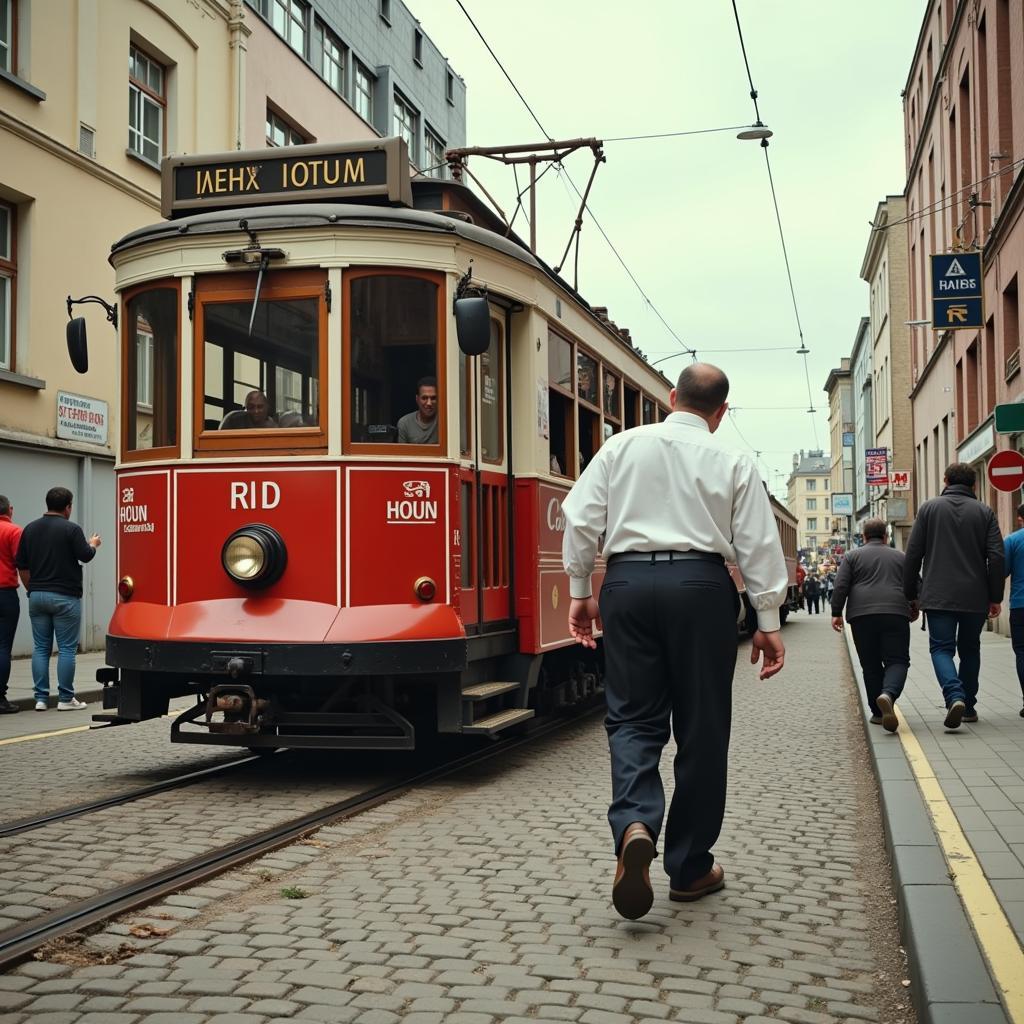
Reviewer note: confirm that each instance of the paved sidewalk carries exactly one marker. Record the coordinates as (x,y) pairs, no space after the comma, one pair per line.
(19,689)
(484,899)
(980,766)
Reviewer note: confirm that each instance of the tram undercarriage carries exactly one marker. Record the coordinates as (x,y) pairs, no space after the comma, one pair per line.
(239,704)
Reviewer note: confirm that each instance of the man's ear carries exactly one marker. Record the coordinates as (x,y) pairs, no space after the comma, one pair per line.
(672,398)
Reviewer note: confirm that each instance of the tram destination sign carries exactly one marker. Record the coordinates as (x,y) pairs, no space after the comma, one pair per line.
(956,291)
(314,173)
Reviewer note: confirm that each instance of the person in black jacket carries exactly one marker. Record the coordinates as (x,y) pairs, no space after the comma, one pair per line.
(812,591)
(870,585)
(957,539)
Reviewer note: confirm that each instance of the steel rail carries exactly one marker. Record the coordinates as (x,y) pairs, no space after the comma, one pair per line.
(18,943)
(20,825)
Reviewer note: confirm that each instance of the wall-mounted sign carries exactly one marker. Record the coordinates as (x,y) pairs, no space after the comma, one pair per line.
(899,479)
(876,466)
(897,509)
(956,291)
(285,174)
(1010,418)
(847,438)
(80,418)
(978,445)
(842,504)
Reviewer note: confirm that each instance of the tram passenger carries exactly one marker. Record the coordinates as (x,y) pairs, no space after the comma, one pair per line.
(420,427)
(255,416)
(669,611)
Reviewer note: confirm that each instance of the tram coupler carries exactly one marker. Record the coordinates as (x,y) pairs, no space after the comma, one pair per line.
(241,708)
(111,690)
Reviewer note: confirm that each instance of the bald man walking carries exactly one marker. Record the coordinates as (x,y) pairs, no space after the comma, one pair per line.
(673,505)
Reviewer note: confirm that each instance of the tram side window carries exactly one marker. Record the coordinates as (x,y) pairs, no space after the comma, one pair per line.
(630,406)
(151,419)
(491,375)
(393,359)
(650,410)
(561,407)
(267,379)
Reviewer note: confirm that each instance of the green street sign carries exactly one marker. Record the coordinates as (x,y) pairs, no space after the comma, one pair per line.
(1010,418)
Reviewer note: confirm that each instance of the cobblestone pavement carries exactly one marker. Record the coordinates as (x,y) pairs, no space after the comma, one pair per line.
(485,898)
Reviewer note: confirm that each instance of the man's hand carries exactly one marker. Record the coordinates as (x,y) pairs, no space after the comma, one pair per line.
(837,623)
(583,614)
(94,541)
(915,610)
(770,645)
(993,610)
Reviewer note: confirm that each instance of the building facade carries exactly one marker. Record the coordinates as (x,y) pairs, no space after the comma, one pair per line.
(808,498)
(964,128)
(861,376)
(93,95)
(839,389)
(885,270)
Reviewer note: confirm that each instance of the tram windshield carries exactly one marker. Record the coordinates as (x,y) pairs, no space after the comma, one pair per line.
(393,330)
(269,378)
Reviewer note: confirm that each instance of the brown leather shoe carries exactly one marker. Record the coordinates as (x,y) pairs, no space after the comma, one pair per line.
(632,894)
(711,882)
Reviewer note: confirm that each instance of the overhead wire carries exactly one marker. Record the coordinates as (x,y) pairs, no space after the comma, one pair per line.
(676,135)
(561,170)
(803,350)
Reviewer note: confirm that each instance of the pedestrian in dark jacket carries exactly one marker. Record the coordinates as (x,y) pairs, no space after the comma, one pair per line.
(870,586)
(957,539)
(812,591)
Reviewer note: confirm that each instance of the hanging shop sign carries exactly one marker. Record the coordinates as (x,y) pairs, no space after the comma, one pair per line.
(956,291)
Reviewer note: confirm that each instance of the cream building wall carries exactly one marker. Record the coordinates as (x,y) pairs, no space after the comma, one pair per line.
(840,417)
(808,495)
(886,271)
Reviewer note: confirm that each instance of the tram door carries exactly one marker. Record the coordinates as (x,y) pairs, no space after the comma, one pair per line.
(484,486)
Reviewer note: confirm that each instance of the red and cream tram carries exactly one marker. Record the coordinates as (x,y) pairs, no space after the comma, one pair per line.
(284,553)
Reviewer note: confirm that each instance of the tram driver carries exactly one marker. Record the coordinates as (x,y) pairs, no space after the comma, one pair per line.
(255,415)
(420,427)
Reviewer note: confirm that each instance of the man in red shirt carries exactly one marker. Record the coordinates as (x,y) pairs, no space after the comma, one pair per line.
(10,604)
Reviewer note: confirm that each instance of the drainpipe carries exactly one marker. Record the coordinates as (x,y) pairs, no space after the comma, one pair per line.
(237,33)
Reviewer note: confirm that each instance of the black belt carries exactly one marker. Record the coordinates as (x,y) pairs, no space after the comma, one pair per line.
(665,556)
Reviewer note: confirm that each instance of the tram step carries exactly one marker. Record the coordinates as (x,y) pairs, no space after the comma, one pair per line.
(501,720)
(481,691)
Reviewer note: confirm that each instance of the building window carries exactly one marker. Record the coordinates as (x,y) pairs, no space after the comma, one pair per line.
(417,46)
(384,8)
(332,59)
(812,523)
(436,164)
(290,20)
(8,276)
(812,504)
(147,104)
(7,30)
(812,542)
(812,485)
(449,89)
(406,125)
(826,483)
(363,92)
(280,132)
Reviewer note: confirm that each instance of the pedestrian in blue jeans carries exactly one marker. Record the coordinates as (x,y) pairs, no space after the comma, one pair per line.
(1013,548)
(49,556)
(957,539)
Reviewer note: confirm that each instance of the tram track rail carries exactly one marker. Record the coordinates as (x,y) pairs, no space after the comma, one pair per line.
(19,943)
(29,824)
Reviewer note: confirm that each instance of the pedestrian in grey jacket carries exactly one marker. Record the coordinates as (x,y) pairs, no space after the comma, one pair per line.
(957,539)
(870,586)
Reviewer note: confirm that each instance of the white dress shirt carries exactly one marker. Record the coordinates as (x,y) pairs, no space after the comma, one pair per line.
(672,486)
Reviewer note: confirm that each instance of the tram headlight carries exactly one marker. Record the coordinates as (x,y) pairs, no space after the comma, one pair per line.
(254,556)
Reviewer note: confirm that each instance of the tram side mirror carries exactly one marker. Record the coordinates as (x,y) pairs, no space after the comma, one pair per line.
(473,324)
(78,346)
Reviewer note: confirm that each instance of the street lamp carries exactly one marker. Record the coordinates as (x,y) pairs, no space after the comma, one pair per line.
(756,132)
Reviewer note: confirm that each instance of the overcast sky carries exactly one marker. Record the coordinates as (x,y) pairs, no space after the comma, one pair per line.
(692,217)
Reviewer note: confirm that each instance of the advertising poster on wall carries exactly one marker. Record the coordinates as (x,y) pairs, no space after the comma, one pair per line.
(876,466)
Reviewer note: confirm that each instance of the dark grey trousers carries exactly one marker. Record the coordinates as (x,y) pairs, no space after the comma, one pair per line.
(670,652)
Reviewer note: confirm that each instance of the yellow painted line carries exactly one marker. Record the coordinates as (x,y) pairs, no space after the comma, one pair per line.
(43,735)
(995,935)
(65,732)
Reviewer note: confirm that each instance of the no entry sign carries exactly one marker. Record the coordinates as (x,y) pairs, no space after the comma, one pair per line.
(1006,471)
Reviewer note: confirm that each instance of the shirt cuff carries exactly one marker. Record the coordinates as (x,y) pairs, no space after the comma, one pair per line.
(580,587)
(768,620)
